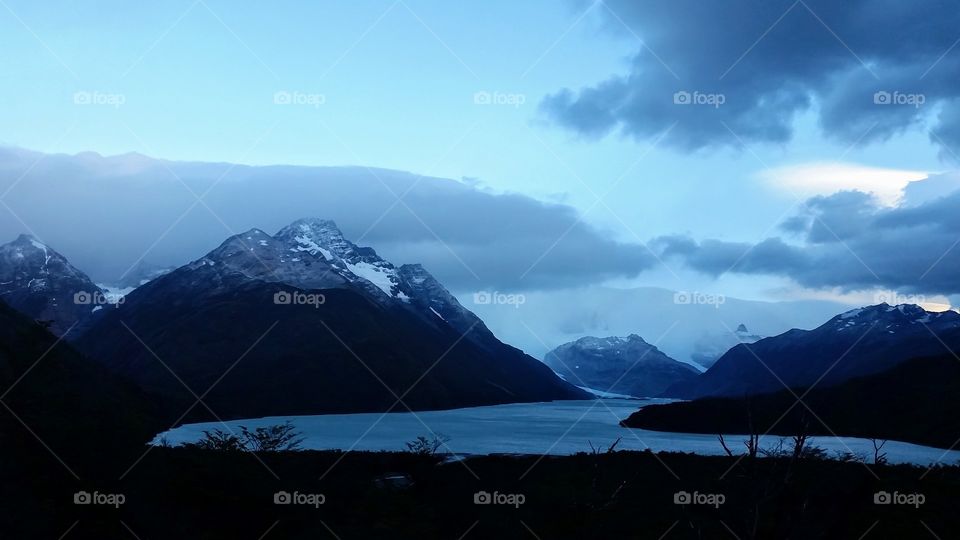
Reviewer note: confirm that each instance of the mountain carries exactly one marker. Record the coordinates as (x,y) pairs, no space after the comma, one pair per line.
(306,322)
(916,401)
(41,283)
(620,365)
(859,342)
(709,348)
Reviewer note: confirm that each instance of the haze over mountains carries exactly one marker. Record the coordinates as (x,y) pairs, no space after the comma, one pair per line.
(687,332)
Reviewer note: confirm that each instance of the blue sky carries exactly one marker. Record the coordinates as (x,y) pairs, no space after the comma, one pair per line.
(394,85)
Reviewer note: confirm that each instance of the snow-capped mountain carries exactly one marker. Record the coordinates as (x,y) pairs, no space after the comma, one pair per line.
(348,331)
(858,342)
(709,348)
(312,253)
(620,365)
(41,283)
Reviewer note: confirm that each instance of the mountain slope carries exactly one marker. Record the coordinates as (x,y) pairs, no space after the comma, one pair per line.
(856,343)
(65,399)
(916,401)
(305,322)
(620,365)
(41,283)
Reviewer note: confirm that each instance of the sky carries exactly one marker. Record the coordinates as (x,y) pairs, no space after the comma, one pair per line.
(743,189)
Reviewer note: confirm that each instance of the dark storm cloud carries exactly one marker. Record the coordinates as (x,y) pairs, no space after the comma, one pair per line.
(106,213)
(865,63)
(848,241)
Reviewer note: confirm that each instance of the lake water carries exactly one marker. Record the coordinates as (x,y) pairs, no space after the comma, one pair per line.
(561,427)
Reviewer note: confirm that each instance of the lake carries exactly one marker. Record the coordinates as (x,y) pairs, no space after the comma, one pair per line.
(560,427)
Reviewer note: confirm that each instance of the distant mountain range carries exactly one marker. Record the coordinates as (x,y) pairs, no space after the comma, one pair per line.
(694,333)
(306,322)
(859,342)
(618,365)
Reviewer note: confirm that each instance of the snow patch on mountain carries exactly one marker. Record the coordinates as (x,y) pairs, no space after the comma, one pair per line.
(383,278)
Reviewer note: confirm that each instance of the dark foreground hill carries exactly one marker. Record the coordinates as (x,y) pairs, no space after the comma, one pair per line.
(66,424)
(917,401)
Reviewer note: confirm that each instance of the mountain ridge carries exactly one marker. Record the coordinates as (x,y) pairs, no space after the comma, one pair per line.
(857,342)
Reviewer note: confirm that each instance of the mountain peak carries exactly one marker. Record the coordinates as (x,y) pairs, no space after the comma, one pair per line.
(29,240)
(37,280)
(253,233)
(315,235)
(316,223)
(884,312)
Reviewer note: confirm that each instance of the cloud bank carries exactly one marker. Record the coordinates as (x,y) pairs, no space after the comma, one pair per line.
(107,213)
(717,73)
(848,240)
